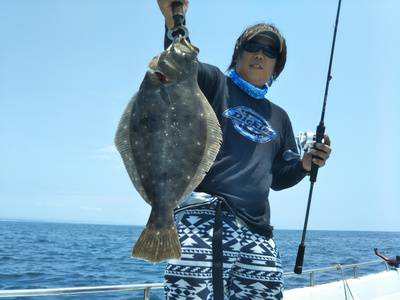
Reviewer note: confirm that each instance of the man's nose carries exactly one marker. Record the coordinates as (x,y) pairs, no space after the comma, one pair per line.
(259,55)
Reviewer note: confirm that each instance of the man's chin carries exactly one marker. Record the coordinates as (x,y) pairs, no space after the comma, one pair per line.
(256,80)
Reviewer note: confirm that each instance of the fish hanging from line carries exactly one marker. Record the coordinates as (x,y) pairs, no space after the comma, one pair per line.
(168,138)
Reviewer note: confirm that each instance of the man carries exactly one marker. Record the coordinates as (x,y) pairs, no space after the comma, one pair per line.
(256,134)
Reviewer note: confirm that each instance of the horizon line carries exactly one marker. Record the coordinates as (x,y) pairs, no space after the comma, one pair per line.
(91,222)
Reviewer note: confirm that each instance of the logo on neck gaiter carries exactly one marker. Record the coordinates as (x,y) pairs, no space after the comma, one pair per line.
(250,124)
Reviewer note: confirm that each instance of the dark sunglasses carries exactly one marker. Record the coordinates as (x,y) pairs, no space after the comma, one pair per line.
(267,50)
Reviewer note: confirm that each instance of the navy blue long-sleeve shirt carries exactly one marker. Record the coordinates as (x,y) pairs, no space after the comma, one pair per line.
(256,133)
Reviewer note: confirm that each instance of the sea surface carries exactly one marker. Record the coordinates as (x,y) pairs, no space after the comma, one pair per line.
(50,255)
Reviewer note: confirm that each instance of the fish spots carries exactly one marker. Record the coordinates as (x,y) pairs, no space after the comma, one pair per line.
(166,133)
(198,143)
(201,115)
(151,122)
(188,177)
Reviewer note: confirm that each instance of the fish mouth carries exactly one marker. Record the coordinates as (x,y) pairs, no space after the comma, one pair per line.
(160,71)
(157,75)
(160,76)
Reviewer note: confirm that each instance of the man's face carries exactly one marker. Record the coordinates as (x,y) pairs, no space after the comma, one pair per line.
(256,67)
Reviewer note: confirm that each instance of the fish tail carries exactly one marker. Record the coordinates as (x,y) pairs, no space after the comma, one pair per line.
(157,244)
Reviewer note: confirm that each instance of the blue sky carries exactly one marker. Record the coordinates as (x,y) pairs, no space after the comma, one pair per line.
(68,68)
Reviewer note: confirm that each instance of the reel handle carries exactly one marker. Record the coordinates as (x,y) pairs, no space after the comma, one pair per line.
(319,136)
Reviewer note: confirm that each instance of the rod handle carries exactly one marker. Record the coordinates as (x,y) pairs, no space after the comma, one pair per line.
(177,13)
(319,137)
(298,268)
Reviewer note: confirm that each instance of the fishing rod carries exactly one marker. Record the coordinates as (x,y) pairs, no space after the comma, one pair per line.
(314,168)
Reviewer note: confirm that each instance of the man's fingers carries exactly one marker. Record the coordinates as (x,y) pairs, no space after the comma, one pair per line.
(327,140)
(166,6)
(324,146)
(321,151)
(318,162)
(320,154)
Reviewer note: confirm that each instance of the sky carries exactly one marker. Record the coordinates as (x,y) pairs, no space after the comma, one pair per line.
(68,68)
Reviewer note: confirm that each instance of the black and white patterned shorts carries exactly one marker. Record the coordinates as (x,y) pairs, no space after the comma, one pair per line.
(251,263)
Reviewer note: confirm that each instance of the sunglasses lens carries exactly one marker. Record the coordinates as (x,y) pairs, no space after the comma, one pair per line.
(270,52)
(267,50)
(252,47)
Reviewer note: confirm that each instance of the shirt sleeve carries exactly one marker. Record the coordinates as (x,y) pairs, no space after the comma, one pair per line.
(287,173)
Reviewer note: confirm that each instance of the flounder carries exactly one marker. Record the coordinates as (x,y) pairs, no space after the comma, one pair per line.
(168,138)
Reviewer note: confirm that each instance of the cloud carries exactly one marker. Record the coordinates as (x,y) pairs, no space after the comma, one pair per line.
(107,153)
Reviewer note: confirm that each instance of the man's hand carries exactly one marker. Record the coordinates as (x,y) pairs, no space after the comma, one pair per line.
(166,10)
(321,153)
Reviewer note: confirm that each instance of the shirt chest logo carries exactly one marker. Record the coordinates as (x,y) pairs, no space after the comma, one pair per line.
(250,124)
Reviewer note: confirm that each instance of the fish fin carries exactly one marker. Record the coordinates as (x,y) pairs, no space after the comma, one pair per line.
(122,141)
(212,147)
(158,244)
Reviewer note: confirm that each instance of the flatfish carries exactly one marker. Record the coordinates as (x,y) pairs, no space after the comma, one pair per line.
(168,138)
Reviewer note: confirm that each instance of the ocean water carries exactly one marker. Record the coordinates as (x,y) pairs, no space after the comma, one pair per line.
(49,255)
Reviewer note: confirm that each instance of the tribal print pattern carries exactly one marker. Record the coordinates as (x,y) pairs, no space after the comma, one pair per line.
(252,266)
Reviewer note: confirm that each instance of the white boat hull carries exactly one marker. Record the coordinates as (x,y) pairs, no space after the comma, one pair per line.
(379,286)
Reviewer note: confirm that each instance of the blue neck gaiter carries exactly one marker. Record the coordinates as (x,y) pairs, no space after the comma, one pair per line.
(247,87)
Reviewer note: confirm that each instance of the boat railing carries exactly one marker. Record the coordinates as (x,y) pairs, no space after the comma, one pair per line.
(147,287)
(339,267)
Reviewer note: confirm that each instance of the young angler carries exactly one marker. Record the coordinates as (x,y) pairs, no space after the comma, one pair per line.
(234,193)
